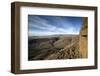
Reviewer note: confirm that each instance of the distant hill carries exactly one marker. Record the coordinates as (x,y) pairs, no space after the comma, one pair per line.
(51,36)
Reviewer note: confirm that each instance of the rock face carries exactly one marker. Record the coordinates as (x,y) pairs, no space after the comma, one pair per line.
(83,37)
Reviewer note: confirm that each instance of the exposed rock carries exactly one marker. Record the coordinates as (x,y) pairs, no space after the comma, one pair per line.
(68,52)
(83,43)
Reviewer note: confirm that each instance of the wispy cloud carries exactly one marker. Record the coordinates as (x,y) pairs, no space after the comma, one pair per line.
(49,25)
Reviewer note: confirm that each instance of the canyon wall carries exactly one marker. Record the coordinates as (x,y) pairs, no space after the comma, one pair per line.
(83,38)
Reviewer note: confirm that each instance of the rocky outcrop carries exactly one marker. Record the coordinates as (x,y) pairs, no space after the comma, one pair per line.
(70,51)
(83,37)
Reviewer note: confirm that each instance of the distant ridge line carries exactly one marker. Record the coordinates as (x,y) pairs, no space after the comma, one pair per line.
(51,36)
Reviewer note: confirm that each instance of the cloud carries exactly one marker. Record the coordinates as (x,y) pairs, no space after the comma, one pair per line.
(42,24)
(53,25)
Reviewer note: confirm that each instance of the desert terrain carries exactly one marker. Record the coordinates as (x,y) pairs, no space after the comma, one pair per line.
(54,47)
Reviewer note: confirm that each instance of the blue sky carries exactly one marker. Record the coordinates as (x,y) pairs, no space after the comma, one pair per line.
(50,25)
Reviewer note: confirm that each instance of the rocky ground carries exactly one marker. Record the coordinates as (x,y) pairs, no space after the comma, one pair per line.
(62,47)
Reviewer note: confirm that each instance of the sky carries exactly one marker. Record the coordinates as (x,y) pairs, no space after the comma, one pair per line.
(51,25)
